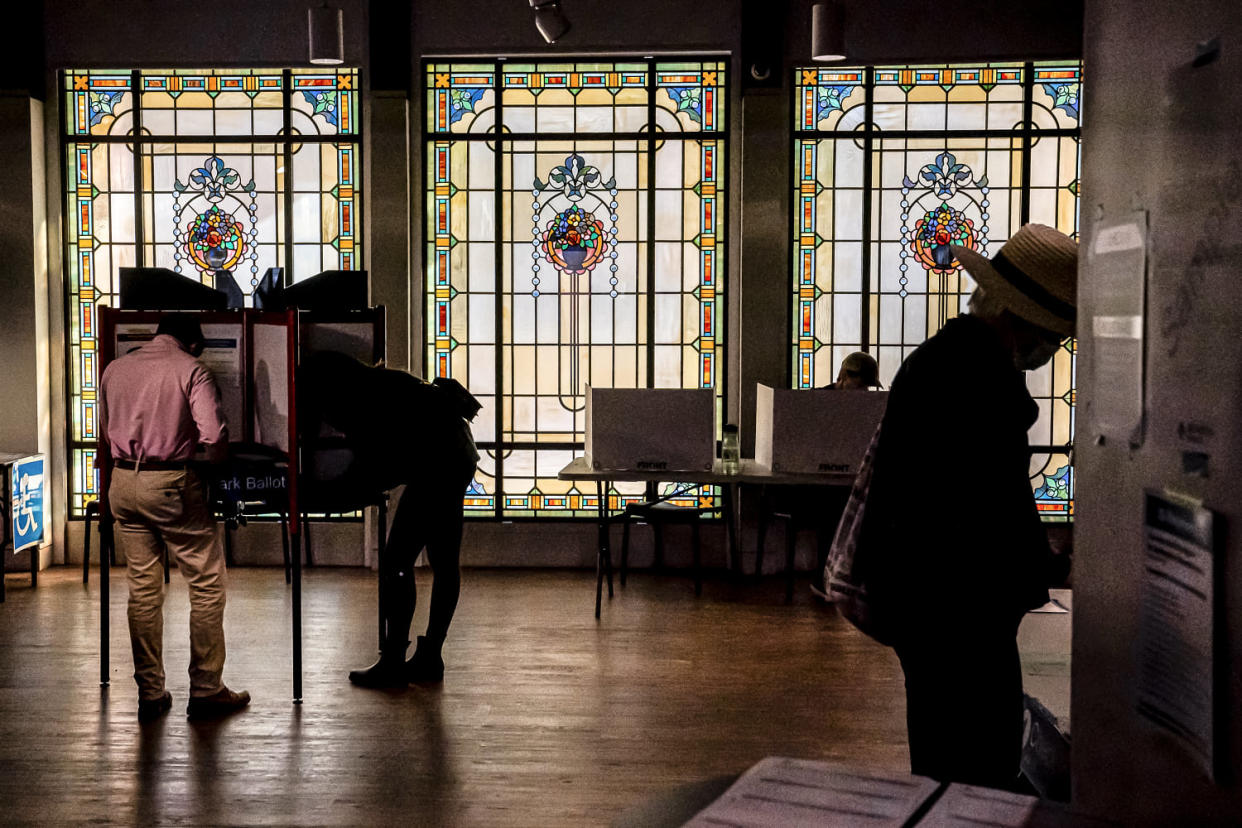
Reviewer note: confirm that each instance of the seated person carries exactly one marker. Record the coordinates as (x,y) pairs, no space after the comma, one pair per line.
(858,371)
(822,506)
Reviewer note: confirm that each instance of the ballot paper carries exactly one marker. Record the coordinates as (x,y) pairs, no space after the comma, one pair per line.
(222,356)
(789,793)
(967,806)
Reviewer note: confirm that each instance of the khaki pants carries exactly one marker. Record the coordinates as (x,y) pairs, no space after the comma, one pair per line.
(159,508)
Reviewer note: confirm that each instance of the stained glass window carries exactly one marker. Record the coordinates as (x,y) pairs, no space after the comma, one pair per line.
(197,171)
(891,163)
(575,236)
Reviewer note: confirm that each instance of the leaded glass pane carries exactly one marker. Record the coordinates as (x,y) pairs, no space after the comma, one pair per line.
(1057,87)
(193,190)
(98,103)
(208,102)
(460,97)
(325,103)
(945,156)
(591,260)
(195,204)
(948,97)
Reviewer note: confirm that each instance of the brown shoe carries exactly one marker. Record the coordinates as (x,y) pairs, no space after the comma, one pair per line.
(221,703)
(151,709)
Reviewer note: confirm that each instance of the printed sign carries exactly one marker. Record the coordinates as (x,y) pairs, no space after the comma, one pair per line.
(27,500)
(1177,659)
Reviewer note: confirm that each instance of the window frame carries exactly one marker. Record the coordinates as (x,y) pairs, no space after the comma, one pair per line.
(283,142)
(587,510)
(868,134)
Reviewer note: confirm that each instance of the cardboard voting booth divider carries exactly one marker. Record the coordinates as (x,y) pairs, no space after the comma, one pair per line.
(357,333)
(252,356)
(815,431)
(650,429)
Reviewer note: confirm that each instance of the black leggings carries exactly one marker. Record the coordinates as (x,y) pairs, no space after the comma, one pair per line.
(964,702)
(429,515)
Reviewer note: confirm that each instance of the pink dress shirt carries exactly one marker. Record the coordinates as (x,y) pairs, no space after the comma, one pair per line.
(159,403)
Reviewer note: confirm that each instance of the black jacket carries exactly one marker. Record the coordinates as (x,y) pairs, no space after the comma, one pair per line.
(393,428)
(950,524)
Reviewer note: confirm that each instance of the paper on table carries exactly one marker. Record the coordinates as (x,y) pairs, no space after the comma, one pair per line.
(967,806)
(788,793)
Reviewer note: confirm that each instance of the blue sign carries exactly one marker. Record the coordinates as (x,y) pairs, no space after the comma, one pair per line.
(27,500)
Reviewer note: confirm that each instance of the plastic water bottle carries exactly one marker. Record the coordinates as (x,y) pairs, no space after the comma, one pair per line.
(730,450)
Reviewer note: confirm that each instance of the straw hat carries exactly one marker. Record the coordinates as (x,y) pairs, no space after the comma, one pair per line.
(1035,275)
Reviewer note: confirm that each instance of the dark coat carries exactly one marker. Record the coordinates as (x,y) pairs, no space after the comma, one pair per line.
(950,525)
(393,427)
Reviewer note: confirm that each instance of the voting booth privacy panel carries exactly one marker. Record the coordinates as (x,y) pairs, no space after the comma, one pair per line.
(650,429)
(802,431)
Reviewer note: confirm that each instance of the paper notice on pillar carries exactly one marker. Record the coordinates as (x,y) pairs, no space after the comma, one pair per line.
(1117,266)
(785,792)
(1176,658)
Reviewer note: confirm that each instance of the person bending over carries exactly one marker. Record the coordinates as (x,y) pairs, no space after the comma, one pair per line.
(397,430)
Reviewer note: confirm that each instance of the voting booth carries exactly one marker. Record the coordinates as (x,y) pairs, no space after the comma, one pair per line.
(650,429)
(252,355)
(815,431)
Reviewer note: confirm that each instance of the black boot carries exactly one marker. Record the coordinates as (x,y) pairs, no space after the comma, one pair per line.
(397,609)
(389,671)
(425,666)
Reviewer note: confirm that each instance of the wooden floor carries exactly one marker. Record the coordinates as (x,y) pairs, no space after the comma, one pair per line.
(546,716)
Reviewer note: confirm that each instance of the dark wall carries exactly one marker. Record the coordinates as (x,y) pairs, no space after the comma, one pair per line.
(960,30)
(507,27)
(162,33)
(21,62)
(897,32)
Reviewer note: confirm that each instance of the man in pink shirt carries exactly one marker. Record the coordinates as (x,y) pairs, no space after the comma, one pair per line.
(158,404)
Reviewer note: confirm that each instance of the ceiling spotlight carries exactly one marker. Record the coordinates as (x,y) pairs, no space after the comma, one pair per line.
(549,19)
(828,31)
(326,35)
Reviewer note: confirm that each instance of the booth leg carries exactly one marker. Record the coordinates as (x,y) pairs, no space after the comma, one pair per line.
(105,576)
(603,558)
(763,532)
(228,543)
(297,619)
(729,493)
(380,546)
(306,533)
(284,546)
(86,544)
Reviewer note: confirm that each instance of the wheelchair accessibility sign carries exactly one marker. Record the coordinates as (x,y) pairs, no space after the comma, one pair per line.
(27,502)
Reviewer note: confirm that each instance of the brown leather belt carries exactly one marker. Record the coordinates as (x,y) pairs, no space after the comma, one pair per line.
(151,465)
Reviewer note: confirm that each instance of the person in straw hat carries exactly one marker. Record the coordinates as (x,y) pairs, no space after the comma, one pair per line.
(955,554)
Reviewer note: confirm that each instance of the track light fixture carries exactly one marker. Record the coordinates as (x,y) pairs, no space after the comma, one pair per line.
(549,19)
(326,33)
(828,31)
